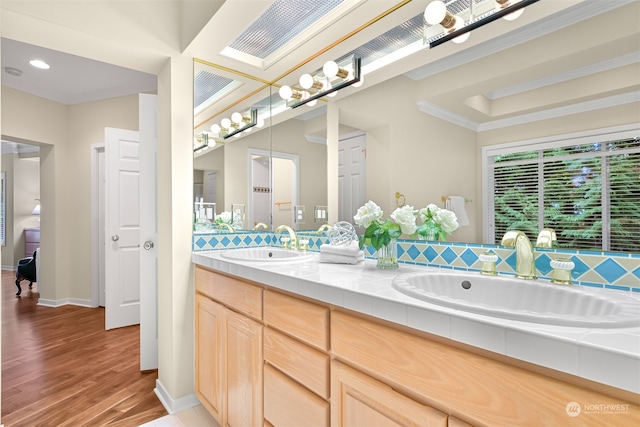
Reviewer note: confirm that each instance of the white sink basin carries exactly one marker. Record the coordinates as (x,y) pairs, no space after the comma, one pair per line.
(266,254)
(524,300)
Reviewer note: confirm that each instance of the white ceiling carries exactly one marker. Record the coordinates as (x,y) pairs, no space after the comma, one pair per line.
(577,51)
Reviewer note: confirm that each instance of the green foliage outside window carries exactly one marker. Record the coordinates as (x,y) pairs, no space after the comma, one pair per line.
(571,200)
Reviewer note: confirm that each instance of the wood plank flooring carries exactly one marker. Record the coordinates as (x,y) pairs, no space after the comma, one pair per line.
(61,368)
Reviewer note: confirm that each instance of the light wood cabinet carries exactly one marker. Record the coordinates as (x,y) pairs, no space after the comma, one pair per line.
(288,404)
(243,371)
(359,400)
(268,358)
(210,355)
(297,363)
(229,360)
(475,388)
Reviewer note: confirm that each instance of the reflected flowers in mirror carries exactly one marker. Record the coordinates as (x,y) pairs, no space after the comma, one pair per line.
(437,223)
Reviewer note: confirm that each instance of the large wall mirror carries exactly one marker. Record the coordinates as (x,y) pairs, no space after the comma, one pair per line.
(414,132)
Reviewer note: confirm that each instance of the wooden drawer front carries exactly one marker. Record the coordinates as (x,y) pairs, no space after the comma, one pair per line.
(32,235)
(359,400)
(304,364)
(456,381)
(301,319)
(455,422)
(287,404)
(233,293)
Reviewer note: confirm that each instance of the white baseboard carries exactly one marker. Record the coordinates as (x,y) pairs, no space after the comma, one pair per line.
(64,301)
(10,268)
(172,405)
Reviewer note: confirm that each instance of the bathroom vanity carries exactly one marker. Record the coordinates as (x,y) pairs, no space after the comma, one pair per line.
(296,342)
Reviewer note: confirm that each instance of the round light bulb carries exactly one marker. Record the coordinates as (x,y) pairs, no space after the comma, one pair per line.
(285,92)
(215,128)
(306,81)
(435,12)
(247,130)
(461,38)
(260,122)
(330,69)
(312,103)
(236,117)
(237,135)
(226,123)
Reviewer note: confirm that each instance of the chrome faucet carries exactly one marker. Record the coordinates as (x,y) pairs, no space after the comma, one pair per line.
(525,260)
(260,225)
(293,238)
(546,238)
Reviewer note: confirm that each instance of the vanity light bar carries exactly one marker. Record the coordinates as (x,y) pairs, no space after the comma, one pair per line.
(203,139)
(479,23)
(334,88)
(253,120)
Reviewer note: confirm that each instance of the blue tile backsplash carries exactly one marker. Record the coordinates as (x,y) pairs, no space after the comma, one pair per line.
(613,270)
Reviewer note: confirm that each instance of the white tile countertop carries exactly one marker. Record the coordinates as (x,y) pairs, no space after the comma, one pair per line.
(607,356)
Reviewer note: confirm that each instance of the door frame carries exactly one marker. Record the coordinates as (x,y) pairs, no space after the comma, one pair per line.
(96,149)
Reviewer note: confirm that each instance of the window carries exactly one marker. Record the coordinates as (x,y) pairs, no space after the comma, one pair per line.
(586,188)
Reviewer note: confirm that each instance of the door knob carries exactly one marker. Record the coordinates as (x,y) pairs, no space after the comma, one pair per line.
(115,237)
(148,245)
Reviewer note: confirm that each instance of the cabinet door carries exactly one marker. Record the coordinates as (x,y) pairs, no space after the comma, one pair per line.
(210,355)
(244,371)
(359,400)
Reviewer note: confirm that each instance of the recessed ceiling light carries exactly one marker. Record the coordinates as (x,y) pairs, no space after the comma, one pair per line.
(38,63)
(13,71)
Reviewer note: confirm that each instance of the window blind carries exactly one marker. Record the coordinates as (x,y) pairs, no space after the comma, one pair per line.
(588,192)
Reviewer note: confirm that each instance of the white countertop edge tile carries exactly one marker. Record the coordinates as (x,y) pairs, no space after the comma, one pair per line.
(363,288)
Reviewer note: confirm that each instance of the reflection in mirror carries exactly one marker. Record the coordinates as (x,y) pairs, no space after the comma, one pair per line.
(423,128)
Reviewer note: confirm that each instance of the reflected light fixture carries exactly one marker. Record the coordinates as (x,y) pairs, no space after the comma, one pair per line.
(333,78)
(238,123)
(503,9)
(201,142)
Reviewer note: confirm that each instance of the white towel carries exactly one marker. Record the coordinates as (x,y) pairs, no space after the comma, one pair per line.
(340,259)
(456,205)
(348,249)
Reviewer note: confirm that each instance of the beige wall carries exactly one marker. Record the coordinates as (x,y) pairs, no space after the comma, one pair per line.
(66,134)
(417,155)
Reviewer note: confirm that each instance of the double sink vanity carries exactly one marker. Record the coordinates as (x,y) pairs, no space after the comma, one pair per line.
(284,340)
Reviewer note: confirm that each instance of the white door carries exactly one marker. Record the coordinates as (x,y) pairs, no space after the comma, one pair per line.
(122,229)
(148,232)
(211,187)
(351,176)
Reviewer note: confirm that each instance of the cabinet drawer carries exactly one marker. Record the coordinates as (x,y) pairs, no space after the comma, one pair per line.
(301,319)
(241,296)
(286,403)
(304,364)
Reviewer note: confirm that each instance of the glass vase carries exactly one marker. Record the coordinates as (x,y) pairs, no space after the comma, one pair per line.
(388,256)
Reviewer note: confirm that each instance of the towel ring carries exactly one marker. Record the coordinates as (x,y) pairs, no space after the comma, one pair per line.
(398,197)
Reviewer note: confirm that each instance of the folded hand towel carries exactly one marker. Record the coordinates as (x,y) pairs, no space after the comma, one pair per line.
(456,204)
(340,259)
(348,249)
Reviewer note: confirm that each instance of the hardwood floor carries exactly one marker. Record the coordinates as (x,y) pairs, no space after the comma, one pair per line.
(61,368)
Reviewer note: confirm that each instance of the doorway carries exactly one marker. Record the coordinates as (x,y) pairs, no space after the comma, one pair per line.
(274,188)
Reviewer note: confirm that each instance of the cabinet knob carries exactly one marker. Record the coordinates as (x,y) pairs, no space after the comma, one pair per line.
(115,237)
(148,245)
